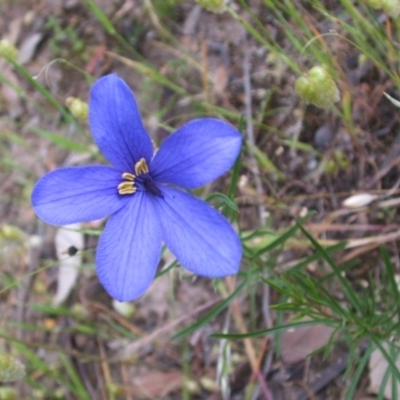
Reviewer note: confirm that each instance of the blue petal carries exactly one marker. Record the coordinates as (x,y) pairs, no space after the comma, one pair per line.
(77,194)
(116,124)
(129,249)
(202,240)
(197,153)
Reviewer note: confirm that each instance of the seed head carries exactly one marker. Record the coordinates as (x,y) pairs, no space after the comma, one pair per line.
(318,87)
(11,369)
(216,6)
(8,50)
(78,108)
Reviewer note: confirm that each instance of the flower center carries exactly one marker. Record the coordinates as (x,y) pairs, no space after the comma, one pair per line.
(140,181)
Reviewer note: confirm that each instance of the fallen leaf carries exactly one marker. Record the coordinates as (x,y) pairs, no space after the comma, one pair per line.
(67,240)
(15,29)
(28,48)
(156,384)
(378,367)
(298,343)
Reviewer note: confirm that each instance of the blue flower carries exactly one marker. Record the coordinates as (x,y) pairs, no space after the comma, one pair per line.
(141,193)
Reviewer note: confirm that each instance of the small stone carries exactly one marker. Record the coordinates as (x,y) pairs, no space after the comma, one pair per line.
(359,200)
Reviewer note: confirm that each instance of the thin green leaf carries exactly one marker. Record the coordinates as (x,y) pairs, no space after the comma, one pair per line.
(62,141)
(265,332)
(349,291)
(225,200)
(75,379)
(358,372)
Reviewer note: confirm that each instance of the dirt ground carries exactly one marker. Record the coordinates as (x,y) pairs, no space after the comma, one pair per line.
(97,339)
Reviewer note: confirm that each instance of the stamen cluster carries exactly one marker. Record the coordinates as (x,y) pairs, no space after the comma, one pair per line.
(128,186)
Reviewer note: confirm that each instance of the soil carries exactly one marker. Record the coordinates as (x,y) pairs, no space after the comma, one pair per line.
(207,56)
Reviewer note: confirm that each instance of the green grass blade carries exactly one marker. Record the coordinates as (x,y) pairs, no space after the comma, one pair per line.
(358,373)
(265,332)
(62,141)
(349,291)
(75,379)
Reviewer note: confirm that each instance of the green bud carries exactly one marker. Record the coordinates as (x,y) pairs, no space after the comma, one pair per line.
(8,393)
(374,3)
(209,384)
(341,159)
(11,369)
(338,161)
(330,167)
(192,386)
(216,6)
(78,108)
(391,7)
(317,87)
(115,389)
(8,50)
(125,309)
(12,233)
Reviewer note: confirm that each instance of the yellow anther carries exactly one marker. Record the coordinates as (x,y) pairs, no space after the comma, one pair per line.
(141,167)
(126,187)
(128,176)
(127,191)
